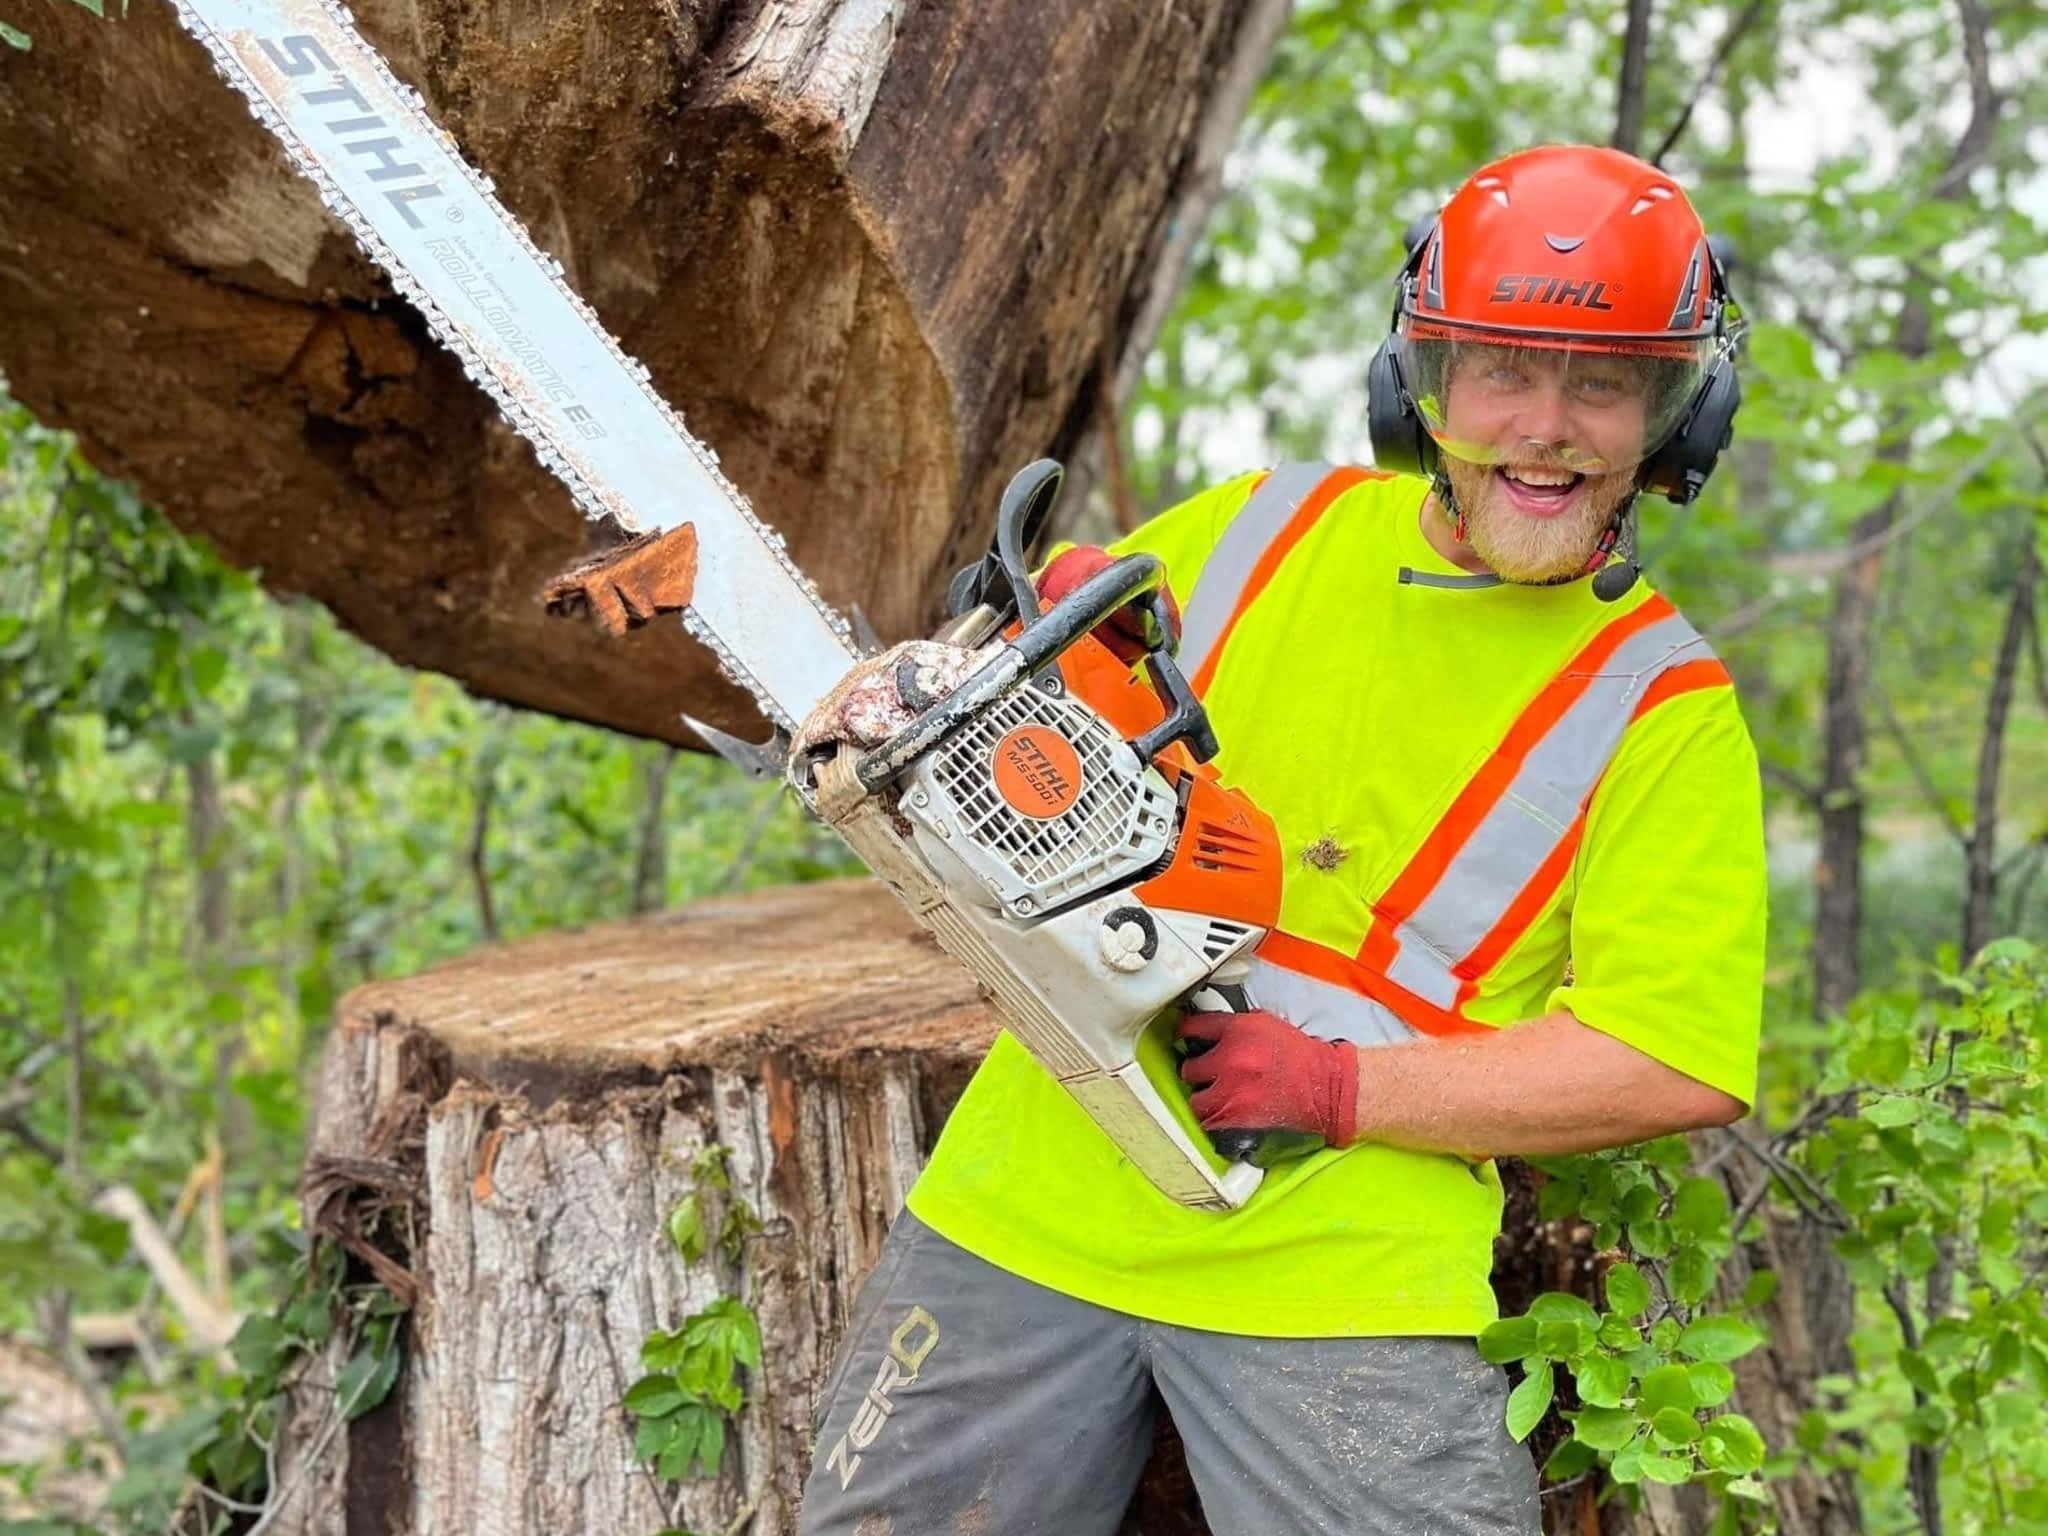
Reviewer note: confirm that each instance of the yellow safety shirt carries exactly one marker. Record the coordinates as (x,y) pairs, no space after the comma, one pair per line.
(1392,727)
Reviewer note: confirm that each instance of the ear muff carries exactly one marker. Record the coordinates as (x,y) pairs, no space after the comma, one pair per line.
(1678,471)
(1401,445)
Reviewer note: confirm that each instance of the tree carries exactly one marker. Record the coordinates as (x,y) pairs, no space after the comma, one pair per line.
(820,235)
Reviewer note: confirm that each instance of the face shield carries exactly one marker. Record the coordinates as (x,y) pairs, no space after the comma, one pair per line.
(1593,407)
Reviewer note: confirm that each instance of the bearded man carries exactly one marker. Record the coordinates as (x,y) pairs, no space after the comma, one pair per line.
(1522,913)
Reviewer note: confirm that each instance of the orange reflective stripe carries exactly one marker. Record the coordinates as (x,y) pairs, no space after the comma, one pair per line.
(1339,969)
(1312,506)
(1529,902)
(1486,787)
(1686,677)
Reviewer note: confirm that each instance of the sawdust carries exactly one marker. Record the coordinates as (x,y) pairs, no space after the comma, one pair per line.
(1325,853)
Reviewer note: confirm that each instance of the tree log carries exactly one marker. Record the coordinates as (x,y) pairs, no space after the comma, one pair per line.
(873,250)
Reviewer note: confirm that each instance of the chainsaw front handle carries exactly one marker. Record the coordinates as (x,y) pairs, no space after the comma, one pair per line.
(1136,578)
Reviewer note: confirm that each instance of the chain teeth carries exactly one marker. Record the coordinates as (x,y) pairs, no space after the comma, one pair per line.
(516,416)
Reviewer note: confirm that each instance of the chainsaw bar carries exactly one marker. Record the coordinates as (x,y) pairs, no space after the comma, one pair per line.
(434,224)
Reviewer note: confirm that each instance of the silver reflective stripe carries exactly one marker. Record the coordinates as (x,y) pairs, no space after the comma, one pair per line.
(1230,564)
(1322,1008)
(1526,825)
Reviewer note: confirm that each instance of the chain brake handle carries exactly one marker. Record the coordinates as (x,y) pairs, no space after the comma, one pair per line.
(1021,518)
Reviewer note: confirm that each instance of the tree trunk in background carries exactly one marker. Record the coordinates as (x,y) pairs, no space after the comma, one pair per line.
(872,249)
(1838,873)
(1980,898)
(534,1111)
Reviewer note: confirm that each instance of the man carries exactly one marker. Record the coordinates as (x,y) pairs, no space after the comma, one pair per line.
(1522,913)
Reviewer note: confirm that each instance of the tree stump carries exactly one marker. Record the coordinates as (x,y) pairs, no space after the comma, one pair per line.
(539,1109)
(874,251)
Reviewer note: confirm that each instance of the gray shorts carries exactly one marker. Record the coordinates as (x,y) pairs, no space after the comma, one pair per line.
(965,1401)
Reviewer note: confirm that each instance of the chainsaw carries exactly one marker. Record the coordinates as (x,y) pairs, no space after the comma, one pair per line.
(1051,818)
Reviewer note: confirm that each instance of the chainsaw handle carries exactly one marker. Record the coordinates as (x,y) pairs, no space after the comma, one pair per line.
(1139,580)
(1134,578)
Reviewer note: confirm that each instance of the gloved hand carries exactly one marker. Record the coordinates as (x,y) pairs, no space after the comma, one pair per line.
(1123,631)
(1257,1072)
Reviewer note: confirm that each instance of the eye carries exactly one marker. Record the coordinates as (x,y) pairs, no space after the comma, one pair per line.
(1599,388)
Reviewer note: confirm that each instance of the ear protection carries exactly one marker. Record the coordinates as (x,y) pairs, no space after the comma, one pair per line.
(1401,445)
(1677,470)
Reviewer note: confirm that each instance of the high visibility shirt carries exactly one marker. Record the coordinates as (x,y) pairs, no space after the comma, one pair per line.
(1473,786)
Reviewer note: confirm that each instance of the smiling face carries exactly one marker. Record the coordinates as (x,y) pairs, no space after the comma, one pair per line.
(1541,447)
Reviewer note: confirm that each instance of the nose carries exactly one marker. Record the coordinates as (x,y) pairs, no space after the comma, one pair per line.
(1546,415)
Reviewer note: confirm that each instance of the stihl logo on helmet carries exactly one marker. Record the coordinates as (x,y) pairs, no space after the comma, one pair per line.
(1517,288)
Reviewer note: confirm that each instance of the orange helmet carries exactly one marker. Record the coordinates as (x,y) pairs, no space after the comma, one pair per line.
(1581,273)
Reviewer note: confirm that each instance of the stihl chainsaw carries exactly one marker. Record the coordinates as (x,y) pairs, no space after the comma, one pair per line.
(1051,819)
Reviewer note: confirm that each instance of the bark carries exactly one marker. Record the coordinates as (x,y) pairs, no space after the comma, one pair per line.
(1981,859)
(650,865)
(1635,70)
(870,248)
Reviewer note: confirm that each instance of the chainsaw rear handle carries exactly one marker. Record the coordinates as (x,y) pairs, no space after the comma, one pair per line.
(1134,578)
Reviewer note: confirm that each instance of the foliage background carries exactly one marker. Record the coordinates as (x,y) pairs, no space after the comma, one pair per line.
(218,811)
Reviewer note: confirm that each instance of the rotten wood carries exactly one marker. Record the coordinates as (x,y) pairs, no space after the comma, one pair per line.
(866,249)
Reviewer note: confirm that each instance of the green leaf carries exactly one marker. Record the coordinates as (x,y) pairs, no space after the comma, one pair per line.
(1914,1367)
(1569,1459)
(688,1229)
(1628,1293)
(1712,1383)
(661,1351)
(1719,1337)
(1512,1338)
(1668,1386)
(1675,1427)
(1692,1275)
(1602,1380)
(1605,1429)
(1700,1209)
(653,1437)
(1651,1239)
(1672,1470)
(1530,1401)
(260,1346)
(1562,1307)
(366,1380)
(1731,1444)
(15,38)
(1894,1110)
(1760,1288)
(652,1396)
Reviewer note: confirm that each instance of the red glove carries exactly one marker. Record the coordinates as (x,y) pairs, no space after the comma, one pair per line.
(1123,631)
(1257,1072)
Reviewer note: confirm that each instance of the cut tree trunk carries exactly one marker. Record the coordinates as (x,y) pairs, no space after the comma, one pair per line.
(528,1116)
(874,251)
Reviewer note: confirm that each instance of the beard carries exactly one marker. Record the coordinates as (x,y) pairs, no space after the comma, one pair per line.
(1534,551)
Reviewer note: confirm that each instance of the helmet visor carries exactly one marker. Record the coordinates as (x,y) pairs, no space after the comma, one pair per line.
(1568,402)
